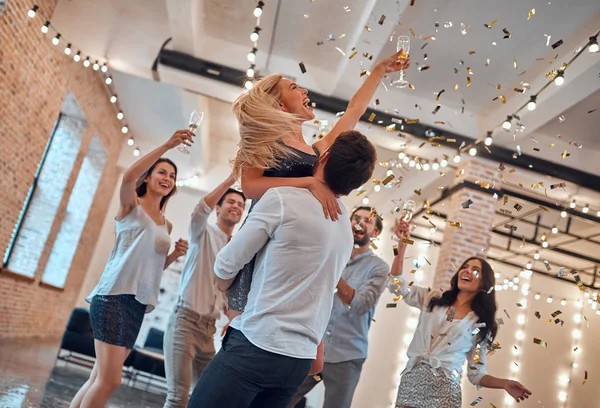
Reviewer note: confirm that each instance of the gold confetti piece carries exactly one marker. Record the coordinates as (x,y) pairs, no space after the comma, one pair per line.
(451,140)
(468,82)
(531,13)
(469,71)
(490,25)
(515,62)
(364,72)
(307,16)
(437,108)
(390,128)
(418,192)
(412,2)
(559,185)
(429,37)
(411,86)
(437,98)
(565,154)
(368,28)
(316,377)
(373,246)
(413,271)
(456,87)
(501,97)
(520,90)
(505,212)
(361,192)
(340,50)
(421,145)
(397,298)
(353,54)
(412,121)
(342,35)
(585,378)
(372,116)
(540,342)
(518,207)
(381,19)
(505,201)
(487,62)
(492,405)
(423,68)
(388,179)
(455,224)
(471,52)
(507,33)
(522,242)
(439,122)
(512,170)
(302,67)
(413,33)
(407,241)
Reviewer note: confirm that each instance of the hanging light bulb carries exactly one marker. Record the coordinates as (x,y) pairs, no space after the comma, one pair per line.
(549,300)
(593,44)
(545,244)
(365,201)
(377,188)
(554,230)
(130,141)
(507,124)
(456,159)
(96,66)
(113,99)
(254,35)
(559,79)
(120,115)
(563,214)
(68,49)
(528,266)
(31,13)
(248,84)
(585,209)
(108,80)
(406,160)
(536,256)
(573,204)
(45,27)
(125,129)
(473,151)
(136,152)
(401,155)
(426,166)
(104,68)
(258,10)
(435,165)
(418,166)
(537,296)
(77,57)
(598,213)
(412,163)
(444,163)
(86,63)
(250,72)
(488,139)
(252,55)
(56,39)
(532,105)
(563,302)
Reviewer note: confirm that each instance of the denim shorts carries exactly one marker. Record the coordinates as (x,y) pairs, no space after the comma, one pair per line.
(116,319)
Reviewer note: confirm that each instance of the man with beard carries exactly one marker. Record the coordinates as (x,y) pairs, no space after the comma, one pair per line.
(346,337)
(189,344)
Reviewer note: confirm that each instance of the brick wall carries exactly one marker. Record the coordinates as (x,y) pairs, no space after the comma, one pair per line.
(473,237)
(35,77)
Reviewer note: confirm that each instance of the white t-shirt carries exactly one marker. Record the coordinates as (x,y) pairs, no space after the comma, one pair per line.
(198,290)
(300,258)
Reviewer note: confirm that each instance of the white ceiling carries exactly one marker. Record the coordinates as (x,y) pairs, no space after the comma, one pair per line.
(130,34)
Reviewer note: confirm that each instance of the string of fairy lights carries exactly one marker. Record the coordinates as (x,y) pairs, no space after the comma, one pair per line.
(254,36)
(87,61)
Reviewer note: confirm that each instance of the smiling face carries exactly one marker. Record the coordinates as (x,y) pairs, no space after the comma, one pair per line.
(470,276)
(162,179)
(231,209)
(363,228)
(294,99)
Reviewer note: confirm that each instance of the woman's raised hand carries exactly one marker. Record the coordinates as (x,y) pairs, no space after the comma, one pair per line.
(183,136)
(393,63)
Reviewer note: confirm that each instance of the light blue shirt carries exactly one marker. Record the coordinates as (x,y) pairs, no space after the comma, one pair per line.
(347,334)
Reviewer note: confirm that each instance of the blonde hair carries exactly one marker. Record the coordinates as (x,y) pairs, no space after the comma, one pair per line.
(263,126)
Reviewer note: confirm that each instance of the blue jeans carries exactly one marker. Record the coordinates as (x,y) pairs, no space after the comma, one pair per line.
(243,375)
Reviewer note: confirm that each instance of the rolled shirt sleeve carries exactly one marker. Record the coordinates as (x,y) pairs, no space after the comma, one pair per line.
(367,294)
(260,225)
(476,370)
(199,219)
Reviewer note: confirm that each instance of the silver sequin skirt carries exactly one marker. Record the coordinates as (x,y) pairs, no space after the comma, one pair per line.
(421,388)
(116,319)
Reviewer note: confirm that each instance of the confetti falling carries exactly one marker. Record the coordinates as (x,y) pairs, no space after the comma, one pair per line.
(507,33)
(381,19)
(490,25)
(557,44)
(530,14)
(476,401)
(467,203)
(302,67)
(340,51)
(540,342)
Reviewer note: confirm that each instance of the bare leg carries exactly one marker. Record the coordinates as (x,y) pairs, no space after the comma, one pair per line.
(76,402)
(109,360)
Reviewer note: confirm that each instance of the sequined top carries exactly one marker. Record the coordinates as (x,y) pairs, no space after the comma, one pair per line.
(291,166)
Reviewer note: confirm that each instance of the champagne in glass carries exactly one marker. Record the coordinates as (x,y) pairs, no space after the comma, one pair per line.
(408,210)
(194,123)
(404,45)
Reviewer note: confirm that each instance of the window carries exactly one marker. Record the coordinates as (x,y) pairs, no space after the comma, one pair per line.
(78,208)
(45,194)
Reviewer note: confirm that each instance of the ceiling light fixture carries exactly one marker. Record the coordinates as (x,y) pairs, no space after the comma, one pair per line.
(258,10)
(507,124)
(31,13)
(488,139)
(45,27)
(559,79)
(593,44)
(77,57)
(254,35)
(532,103)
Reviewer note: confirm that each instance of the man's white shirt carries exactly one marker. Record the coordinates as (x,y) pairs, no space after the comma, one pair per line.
(300,258)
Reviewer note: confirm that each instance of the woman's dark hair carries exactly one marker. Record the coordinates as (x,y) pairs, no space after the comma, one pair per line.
(141,187)
(484,304)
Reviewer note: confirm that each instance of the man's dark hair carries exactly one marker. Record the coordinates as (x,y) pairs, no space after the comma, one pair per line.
(231,191)
(378,220)
(351,162)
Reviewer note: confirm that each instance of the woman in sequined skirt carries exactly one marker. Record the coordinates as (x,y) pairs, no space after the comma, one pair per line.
(129,285)
(454,326)
(273,152)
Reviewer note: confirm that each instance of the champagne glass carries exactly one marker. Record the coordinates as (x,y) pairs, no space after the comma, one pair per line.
(195,120)
(408,210)
(404,45)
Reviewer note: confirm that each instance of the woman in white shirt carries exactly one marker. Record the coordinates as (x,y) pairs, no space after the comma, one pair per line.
(129,285)
(454,326)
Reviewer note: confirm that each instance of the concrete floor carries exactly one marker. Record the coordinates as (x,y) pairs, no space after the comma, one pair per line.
(29,378)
